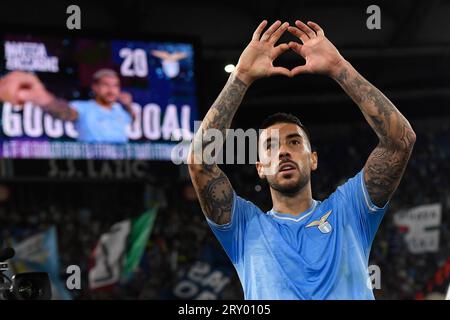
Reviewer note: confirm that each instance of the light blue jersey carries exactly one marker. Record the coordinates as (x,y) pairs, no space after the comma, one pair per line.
(98,124)
(321,253)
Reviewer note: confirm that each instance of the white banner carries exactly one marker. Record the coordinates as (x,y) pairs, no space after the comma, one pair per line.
(108,255)
(422,226)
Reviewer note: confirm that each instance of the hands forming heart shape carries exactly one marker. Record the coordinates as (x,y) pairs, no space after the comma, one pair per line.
(321,56)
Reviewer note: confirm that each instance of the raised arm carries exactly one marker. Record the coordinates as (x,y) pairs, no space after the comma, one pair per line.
(57,107)
(213,188)
(387,162)
(19,87)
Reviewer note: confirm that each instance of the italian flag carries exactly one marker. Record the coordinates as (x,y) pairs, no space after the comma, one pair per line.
(119,251)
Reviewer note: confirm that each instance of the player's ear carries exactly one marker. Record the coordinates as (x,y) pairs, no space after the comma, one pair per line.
(314,160)
(260,170)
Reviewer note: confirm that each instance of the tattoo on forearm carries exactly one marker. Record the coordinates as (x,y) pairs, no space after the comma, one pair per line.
(60,108)
(386,164)
(213,187)
(216,199)
(375,106)
(223,109)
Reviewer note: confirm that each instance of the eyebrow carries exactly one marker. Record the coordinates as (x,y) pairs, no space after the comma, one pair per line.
(294,135)
(289,136)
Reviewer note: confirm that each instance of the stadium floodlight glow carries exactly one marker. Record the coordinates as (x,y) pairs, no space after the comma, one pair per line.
(229,68)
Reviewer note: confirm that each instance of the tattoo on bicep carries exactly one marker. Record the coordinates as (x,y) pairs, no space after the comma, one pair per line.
(216,199)
(383,172)
(407,136)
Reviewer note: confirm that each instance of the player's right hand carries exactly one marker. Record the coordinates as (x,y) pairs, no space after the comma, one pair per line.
(256,61)
(36,92)
(18,87)
(12,86)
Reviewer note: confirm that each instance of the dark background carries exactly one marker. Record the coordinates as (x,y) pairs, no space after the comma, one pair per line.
(408,59)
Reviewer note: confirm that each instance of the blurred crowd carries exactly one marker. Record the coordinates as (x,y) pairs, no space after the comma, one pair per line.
(83,212)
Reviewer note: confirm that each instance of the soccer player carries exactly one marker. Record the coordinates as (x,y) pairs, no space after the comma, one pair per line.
(101,119)
(302,248)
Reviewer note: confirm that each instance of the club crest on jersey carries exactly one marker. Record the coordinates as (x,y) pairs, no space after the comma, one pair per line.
(323,225)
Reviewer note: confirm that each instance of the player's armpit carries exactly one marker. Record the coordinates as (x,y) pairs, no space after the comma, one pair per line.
(383,171)
(214,191)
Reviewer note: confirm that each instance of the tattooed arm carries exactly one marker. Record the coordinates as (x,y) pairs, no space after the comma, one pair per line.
(57,107)
(60,108)
(386,164)
(213,188)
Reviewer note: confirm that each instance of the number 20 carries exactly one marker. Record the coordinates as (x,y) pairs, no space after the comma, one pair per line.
(134,63)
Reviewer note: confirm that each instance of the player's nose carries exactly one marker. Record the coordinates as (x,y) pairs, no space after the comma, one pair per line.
(283,152)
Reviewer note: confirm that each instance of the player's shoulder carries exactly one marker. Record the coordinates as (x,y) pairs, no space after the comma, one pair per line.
(120,109)
(81,105)
(81,102)
(240,203)
(348,186)
(117,106)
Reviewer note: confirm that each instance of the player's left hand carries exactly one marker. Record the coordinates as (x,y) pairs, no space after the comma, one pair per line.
(125,98)
(320,54)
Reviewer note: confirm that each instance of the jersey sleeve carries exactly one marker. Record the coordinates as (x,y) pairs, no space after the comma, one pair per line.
(232,235)
(361,213)
(80,106)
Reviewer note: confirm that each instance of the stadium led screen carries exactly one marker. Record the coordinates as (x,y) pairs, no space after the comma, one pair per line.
(143,113)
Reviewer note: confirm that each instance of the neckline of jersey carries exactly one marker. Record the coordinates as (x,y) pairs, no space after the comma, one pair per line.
(299,216)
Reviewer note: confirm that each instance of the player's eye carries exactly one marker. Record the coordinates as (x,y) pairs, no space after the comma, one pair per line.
(295,142)
(271,145)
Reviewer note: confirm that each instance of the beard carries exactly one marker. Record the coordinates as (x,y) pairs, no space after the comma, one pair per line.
(107,98)
(291,188)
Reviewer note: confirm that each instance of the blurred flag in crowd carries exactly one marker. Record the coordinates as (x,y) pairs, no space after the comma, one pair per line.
(420,226)
(39,253)
(119,251)
(205,279)
(437,284)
